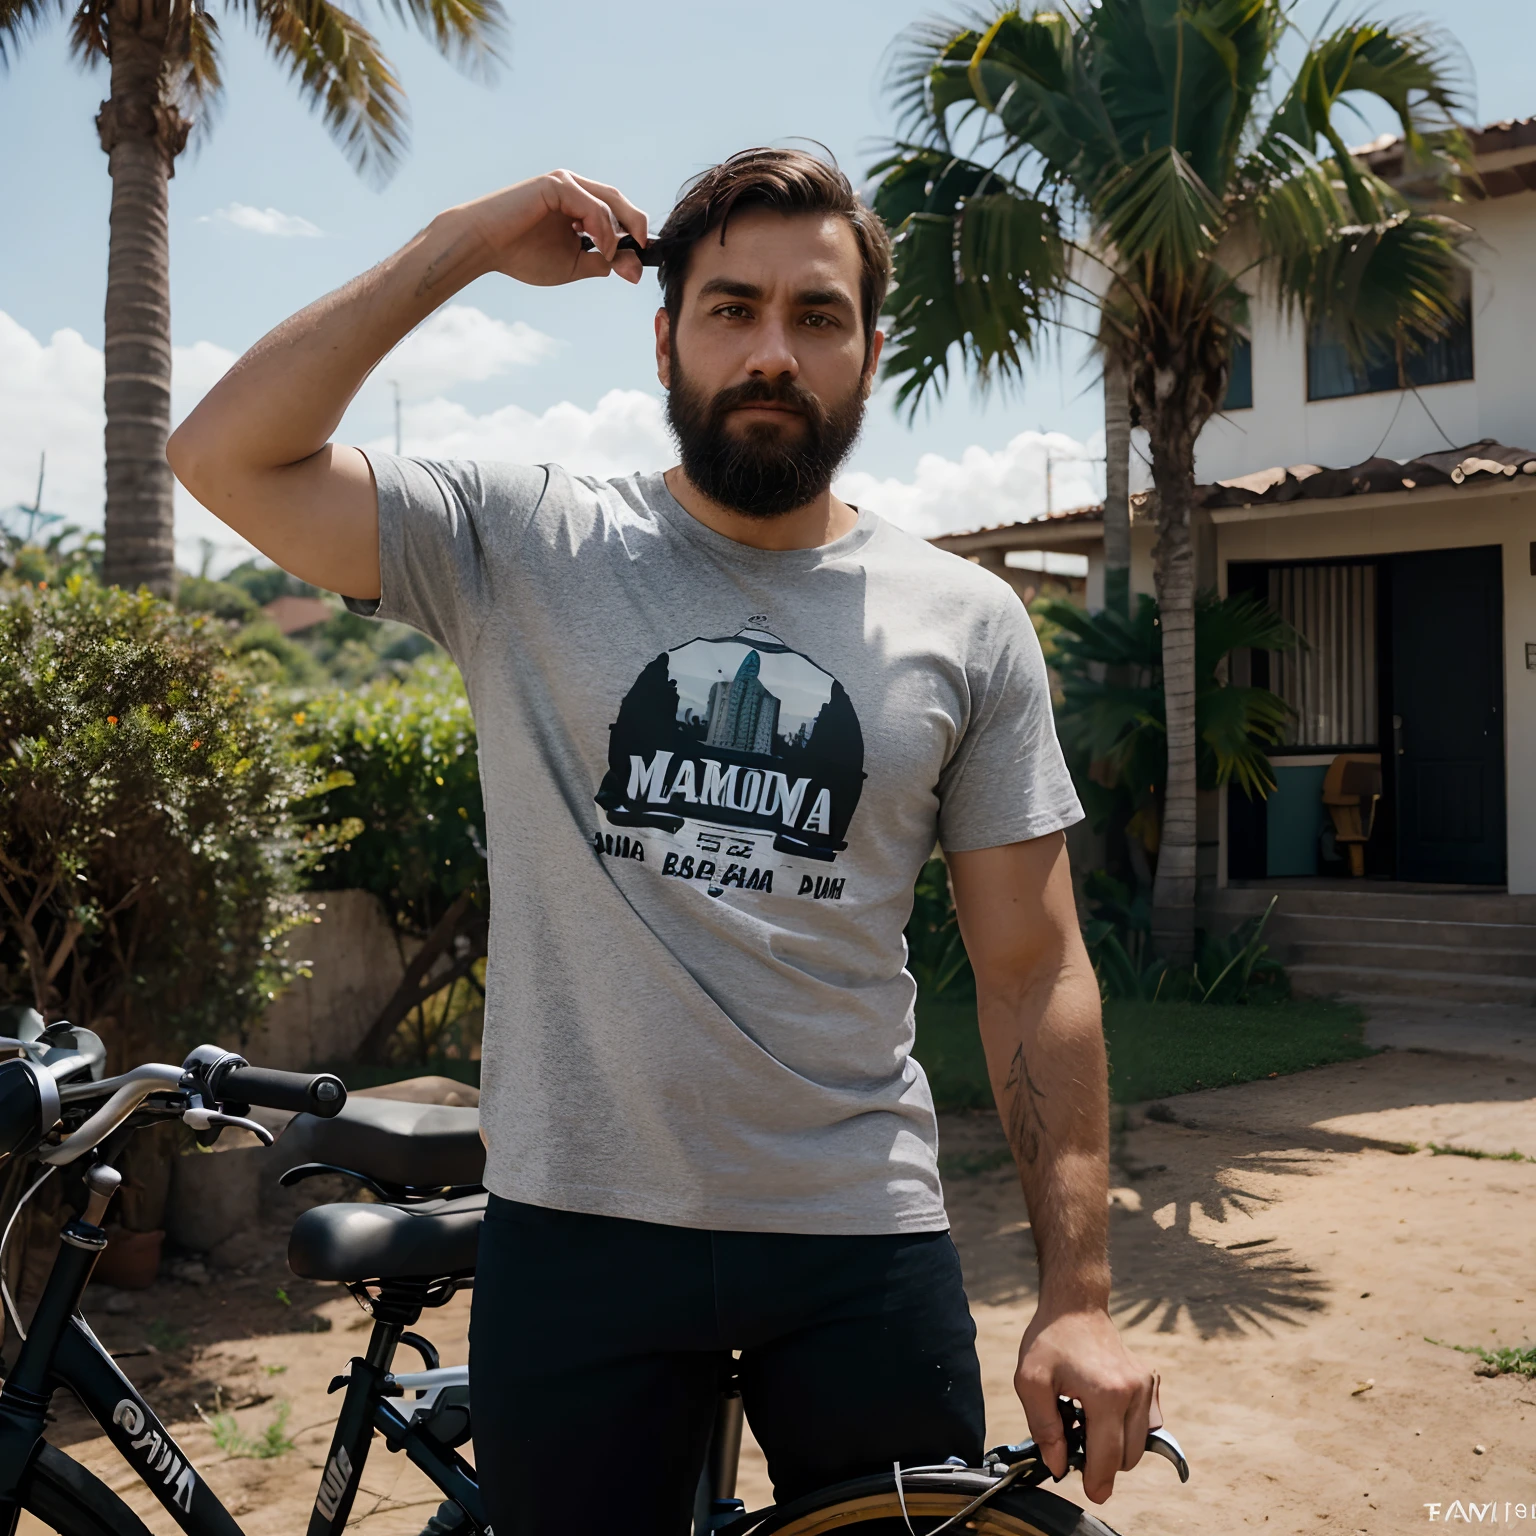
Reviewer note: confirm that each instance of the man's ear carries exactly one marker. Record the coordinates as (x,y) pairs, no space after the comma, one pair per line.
(872,367)
(664,348)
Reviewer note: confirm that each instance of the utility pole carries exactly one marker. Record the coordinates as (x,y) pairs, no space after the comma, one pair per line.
(1051,459)
(394,384)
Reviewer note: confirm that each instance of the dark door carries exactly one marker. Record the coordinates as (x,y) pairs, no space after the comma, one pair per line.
(1448,714)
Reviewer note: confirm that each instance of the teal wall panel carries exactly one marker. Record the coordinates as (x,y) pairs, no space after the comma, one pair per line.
(1294,819)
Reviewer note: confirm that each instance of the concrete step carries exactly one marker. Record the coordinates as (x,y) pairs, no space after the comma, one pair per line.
(1378,900)
(1297,928)
(1500,964)
(1365,982)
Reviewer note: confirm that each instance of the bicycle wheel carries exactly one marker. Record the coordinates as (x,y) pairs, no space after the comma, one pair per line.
(66,1498)
(873,1508)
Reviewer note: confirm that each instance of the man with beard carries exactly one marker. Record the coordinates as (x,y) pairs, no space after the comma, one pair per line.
(706,1131)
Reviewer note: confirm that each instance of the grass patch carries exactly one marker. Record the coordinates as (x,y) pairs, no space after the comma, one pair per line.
(1496,1362)
(1440,1149)
(1156,1048)
(165,1337)
(272,1442)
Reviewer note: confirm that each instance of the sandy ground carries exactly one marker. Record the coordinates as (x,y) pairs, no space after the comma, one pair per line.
(1282,1257)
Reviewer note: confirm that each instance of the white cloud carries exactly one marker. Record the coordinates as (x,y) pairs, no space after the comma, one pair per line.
(625,431)
(981,488)
(458,345)
(50,399)
(50,402)
(263,221)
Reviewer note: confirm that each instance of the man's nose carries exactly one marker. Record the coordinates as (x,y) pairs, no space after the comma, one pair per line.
(773,355)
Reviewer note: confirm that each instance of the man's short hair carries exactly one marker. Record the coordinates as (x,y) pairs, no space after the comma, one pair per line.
(788,181)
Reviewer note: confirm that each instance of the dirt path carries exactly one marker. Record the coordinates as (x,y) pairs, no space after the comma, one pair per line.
(1277,1250)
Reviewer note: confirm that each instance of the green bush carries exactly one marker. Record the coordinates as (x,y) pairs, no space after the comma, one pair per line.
(149,846)
(343,649)
(936,954)
(407,775)
(224,600)
(405,769)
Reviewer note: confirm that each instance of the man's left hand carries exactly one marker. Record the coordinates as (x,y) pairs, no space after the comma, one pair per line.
(1079,1354)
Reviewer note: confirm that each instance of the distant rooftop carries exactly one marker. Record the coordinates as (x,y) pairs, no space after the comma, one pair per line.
(293,615)
(1506,158)
(1482,462)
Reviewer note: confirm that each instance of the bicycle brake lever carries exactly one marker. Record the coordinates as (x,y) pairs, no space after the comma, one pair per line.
(1161,1443)
(201,1119)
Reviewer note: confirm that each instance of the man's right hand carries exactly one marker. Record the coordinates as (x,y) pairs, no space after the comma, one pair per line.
(256,450)
(532,231)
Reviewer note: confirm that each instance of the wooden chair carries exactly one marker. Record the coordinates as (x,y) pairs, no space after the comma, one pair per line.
(1351,791)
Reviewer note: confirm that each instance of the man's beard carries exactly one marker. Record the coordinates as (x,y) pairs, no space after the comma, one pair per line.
(765,470)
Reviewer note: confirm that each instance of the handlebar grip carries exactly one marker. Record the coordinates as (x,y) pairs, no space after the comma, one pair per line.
(320,1094)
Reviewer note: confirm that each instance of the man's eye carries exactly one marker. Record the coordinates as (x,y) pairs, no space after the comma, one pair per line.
(732,311)
(820,322)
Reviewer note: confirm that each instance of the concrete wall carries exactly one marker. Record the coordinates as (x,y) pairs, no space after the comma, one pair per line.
(356,966)
(1283,427)
(1395,524)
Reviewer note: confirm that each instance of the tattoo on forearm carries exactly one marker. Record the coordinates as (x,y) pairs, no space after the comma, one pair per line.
(1022,1116)
(442,267)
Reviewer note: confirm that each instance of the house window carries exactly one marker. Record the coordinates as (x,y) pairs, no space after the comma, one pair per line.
(1332,374)
(1239,395)
(1330,681)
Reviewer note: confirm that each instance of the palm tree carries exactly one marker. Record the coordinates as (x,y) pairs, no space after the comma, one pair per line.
(163,58)
(1142,163)
(1112,715)
(1117,483)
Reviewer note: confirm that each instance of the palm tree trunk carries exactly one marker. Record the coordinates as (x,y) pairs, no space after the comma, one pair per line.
(1173,560)
(142,133)
(1117,485)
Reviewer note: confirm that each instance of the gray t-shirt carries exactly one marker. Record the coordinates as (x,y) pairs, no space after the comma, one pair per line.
(711,775)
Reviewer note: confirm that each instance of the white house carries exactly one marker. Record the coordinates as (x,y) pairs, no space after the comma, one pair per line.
(1396,528)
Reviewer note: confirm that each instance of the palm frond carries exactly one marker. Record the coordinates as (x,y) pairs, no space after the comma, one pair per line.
(200,83)
(1032,75)
(1157,209)
(471,34)
(1235,623)
(1401,280)
(978,264)
(1411,69)
(343,72)
(88,32)
(19,19)
(1185,76)
(1235,724)
(926,75)
(1107,638)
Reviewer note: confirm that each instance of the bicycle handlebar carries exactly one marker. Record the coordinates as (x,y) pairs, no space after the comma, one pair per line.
(207,1074)
(304,1093)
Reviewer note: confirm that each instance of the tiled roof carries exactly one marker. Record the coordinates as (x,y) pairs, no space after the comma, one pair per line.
(1478,463)
(1513,140)
(1001,530)
(292,615)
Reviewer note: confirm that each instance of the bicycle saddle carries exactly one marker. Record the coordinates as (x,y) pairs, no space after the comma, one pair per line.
(354,1242)
(419,1146)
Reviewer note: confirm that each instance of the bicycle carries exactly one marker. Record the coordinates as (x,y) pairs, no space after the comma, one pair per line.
(411,1250)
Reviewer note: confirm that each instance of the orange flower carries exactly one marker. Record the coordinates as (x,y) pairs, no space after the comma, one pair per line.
(111,719)
(197,741)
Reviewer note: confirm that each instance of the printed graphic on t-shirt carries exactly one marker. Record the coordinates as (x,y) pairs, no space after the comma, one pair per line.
(735,763)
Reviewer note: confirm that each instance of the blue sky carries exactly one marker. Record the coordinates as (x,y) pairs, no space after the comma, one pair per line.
(639,95)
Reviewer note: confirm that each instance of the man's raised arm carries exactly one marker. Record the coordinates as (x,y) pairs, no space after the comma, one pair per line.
(1038,1004)
(257,452)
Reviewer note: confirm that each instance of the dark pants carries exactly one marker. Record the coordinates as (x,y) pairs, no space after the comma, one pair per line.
(598,1346)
